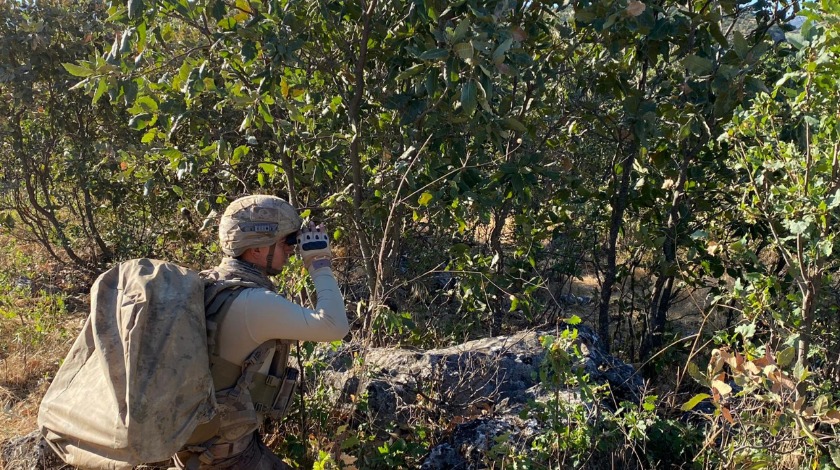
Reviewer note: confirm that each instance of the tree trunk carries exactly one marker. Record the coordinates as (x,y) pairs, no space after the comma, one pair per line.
(618,204)
(354,109)
(808,308)
(662,293)
(496,244)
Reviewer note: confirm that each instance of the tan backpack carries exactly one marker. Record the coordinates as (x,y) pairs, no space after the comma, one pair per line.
(137,381)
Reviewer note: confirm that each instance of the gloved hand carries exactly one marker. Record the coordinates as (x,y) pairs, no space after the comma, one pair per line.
(314,246)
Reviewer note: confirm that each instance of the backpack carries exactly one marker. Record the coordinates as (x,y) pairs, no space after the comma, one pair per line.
(136,382)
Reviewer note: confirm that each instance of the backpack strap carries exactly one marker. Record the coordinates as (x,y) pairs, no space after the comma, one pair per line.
(271,393)
(218,296)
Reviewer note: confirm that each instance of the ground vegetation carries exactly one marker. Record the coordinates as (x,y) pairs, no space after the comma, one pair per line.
(666,172)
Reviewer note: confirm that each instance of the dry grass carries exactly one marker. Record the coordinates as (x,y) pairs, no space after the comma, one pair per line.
(38,322)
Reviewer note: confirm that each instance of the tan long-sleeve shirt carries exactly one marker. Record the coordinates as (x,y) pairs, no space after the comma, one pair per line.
(259,315)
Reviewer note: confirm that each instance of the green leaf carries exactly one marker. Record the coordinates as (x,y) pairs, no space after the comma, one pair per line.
(268,168)
(7,221)
(464,50)
(101,88)
(202,206)
(432,13)
(135,7)
(742,47)
(461,30)
(796,40)
(350,442)
(695,400)
(834,451)
(147,104)
(746,331)
(499,53)
(514,303)
(821,404)
(834,201)
(698,65)
(515,125)
(797,227)
(573,320)
(786,357)
(700,235)
(468,97)
(695,374)
(425,198)
(77,70)
(547,341)
(825,248)
(755,85)
(410,72)
(240,152)
(140,121)
(434,54)
(714,29)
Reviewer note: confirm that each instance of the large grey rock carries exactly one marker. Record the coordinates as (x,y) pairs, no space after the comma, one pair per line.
(479,387)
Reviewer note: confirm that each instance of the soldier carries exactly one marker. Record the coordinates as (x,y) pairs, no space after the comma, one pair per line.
(250,373)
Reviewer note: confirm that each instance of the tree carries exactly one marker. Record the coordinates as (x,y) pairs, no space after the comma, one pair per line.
(787,152)
(49,136)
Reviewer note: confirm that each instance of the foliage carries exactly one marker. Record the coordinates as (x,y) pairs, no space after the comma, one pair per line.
(766,385)
(70,176)
(474,158)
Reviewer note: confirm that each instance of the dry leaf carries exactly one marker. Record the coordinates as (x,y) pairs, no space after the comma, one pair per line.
(518,34)
(347,459)
(721,387)
(764,361)
(635,8)
(712,247)
(832,417)
(751,368)
(727,415)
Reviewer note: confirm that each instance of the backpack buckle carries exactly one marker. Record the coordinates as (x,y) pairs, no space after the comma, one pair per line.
(272,381)
(260,408)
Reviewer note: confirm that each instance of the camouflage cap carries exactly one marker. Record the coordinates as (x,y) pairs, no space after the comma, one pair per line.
(254,221)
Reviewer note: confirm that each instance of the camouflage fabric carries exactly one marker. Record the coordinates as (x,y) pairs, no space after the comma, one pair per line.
(244,395)
(231,269)
(145,334)
(254,221)
(255,456)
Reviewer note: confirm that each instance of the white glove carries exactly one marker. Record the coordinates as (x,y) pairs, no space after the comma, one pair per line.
(314,246)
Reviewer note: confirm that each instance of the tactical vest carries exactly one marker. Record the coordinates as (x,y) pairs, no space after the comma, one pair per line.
(243,394)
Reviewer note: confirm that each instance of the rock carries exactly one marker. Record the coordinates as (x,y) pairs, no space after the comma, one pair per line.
(29,452)
(480,387)
(469,443)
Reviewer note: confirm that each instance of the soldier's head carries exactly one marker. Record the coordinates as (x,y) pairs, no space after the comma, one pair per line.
(253,228)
